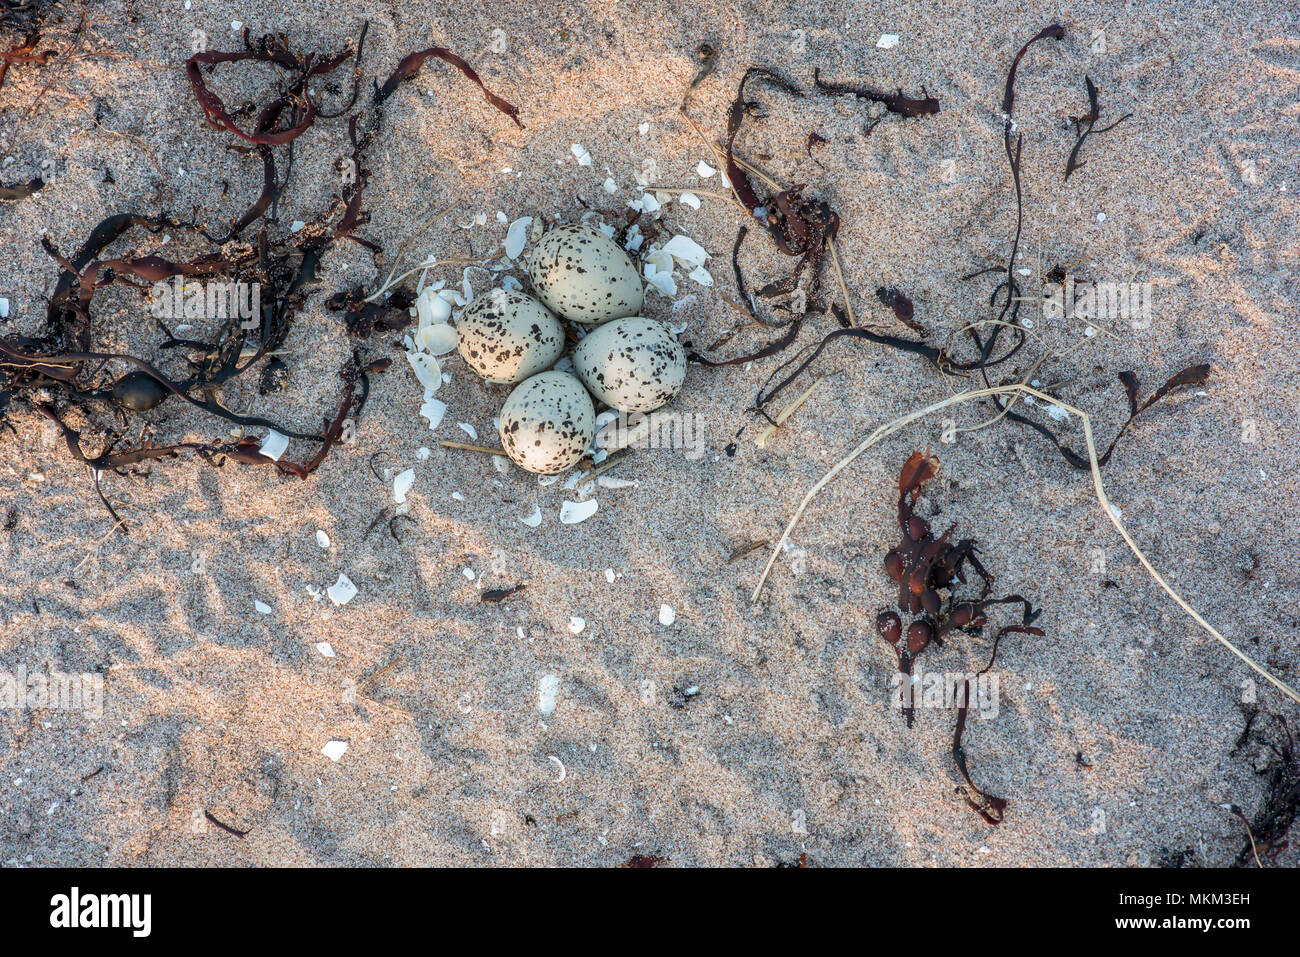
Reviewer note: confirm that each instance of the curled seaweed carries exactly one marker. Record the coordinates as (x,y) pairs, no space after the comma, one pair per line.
(738,177)
(707,55)
(411,64)
(1268,834)
(799,225)
(274,50)
(991,808)
(236,832)
(937,357)
(805,229)
(1012,147)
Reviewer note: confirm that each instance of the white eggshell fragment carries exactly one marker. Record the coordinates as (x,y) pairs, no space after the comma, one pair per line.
(334,749)
(342,591)
(547,423)
(507,336)
(571,513)
(438,339)
(634,365)
(584,276)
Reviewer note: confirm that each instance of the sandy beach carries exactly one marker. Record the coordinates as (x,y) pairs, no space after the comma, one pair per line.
(740,733)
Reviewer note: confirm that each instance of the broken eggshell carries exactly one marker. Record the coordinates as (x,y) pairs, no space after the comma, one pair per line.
(634,364)
(583,275)
(506,336)
(547,423)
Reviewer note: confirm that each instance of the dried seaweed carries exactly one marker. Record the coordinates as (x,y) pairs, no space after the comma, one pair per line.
(61,374)
(897,102)
(493,595)
(1085,125)
(1192,375)
(804,228)
(25,52)
(1053,32)
(992,809)
(901,306)
(1268,834)
(799,225)
(21,190)
(739,179)
(940,359)
(742,287)
(740,551)
(771,349)
(707,55)
(412,63)
(21,15)
(272,49)
(363,318)
(223,826)
(814,139)
(1012,148)
(928,569)
(925,567)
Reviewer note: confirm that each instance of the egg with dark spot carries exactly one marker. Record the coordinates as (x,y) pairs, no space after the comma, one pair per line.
(633,365)
(507,336)
(547,423)
(583,275)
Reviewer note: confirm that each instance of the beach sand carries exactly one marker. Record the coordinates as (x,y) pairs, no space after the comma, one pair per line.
(1115,733)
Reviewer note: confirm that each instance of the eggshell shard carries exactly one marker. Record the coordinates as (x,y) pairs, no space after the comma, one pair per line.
(507,336)
(547,423)
(634,365)
(584,276)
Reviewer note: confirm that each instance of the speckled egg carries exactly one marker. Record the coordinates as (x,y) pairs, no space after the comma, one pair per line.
(583,275)
(547,423)
(634,365)
(507,336)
